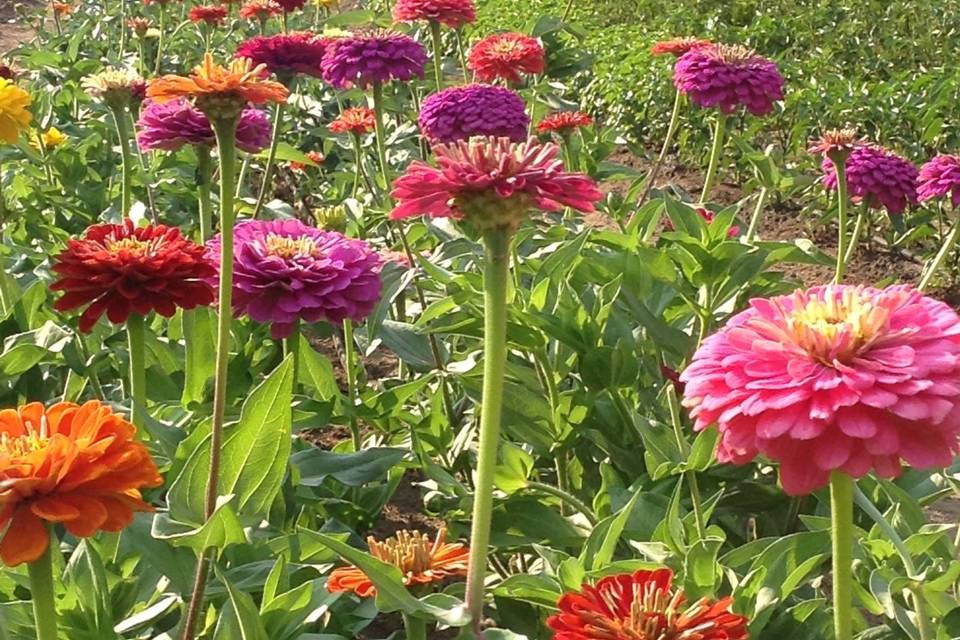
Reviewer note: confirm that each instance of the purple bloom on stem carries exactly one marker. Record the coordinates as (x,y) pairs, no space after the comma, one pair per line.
(459,113)
(729,77)
(878,177)
(369,57)
(170,125)
(286,271)
(940,177)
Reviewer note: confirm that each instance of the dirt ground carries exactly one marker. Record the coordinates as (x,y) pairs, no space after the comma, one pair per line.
(13,31)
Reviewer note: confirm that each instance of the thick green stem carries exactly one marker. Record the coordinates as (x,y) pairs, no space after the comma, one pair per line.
(160,27)
(204,179)
(291,344)
(42,594)
(349,356)
(667,142)
(358,159)
(757,212)
(126,161)
(841,503)
(495,283)
(840,165)
(437,53)
(138,369)
(415,628)
(381,134)
(719,135)
(857,232)
(949,242)
(271,157)
(564,496)
(690,476)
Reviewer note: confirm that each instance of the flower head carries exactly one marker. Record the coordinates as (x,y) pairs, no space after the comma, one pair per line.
(643,606)
(299,167)
(331,218)
(261,10)
(505,56)
(491,183)
(356,120)
(285,271)
(368,57)
(14,113)
(837,144)
(115,87)
(676,47)
(878,177)
(170,125)
(289,6)
(49,139)
(420,560)
(940,177)
(7,72)
(564,122)
(140,26)
(453,13)
(729,77)
(835,378)
(121,269)
(212,15)
(76,465)
(459,113)
(61,9)
(286,54)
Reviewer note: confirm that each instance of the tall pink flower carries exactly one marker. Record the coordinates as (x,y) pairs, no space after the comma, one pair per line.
(940,177)
(878,177)
(837,377)
(729,77)
(452,13)
(492,183)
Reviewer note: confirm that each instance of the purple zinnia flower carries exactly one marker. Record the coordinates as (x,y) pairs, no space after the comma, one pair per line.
(458,113)
(728,77)
(368,57)
(940,177)
(170,125)
(878,177)
(285,271)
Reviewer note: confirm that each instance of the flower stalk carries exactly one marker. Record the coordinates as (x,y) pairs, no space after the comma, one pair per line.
(757,213)
(126,161)
(858,229)
(840,165)
(667,142)
(416,628)
(948,244)
(204,180)
(349,356)
(689,475)
(271,160)
(138,369)
(291,345)
(42,595)
(841,503)
(437,53)
(719,136)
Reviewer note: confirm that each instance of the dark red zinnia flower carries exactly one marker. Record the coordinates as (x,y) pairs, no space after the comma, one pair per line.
(212,15)
(286,54)
(506,56)
(643,606)
(122,269)
(453,13)
(289,6)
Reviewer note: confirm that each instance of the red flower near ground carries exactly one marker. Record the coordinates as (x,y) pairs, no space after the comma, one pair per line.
(79,466)
(211,15)
(643,606)
(358,120)
(564,122)
(300,167)
(506,56)
(677,46)
(120,269)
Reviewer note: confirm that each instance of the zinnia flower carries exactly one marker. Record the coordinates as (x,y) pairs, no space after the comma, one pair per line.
(459,113)
(643,606)
(420,561)
(837,143)
(80,466)
(115,87)
(122,269)
(261,10)
(505,56)
(285,271)
(49,139)
(61,9)
(289,6)
(356,120)
(878,177)
(139,26)
(564,122)
(331,218)
(729,77)
(6,71)
(835,378)
(940,177)
(299,167)
(14,113)
(213,15)
(676,47)
(453,13)
(286,54)
(369,57)
(171,125)
(492,183)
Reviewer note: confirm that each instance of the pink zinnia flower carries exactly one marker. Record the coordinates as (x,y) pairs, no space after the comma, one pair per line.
(940,177)
(729,77)
(505,56)
(289,6)
(286,54)
(261,10)
(492,183)
(878,177)
(835,378)
(453,13)
(677,46)
(366,58)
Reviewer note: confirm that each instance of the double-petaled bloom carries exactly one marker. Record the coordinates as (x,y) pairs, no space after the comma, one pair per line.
(505,56)
(80,466)
(643,606)
(729,77)
(452,13)
(877,177)
(121,269)
(371,57)
(212,15)
(171,125)
(286,54)
(355,120)
(420,560)
(14,111)
(939,178)
(564,122)
(260,10)
(835,378)
(459,113)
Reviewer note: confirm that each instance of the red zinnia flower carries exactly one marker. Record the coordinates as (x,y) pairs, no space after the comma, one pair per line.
(506,56)
(286,54)
(289,6)
(453,13)
(677,46)
(212,15)
(358,120)
(643,606)
(261,10)
(122,269)
(564,122)
(299,167)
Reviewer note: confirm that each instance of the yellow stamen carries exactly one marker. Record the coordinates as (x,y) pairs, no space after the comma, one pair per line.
(289,248)
(410,551)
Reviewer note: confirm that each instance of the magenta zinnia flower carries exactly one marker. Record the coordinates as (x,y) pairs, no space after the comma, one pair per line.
(836,378)
(459,113)
(877,176)
(453,13)
(729,77)
(492,183)
(285,271)
(369,57)
(286,54)
(170,125)
(940,177)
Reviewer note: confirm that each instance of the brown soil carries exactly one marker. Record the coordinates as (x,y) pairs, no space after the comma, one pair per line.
(13,28)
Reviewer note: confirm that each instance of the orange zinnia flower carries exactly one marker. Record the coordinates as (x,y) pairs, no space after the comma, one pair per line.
(420,561)
(70,464)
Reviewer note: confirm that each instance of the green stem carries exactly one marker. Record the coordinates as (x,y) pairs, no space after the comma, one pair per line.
(138,369)
(689,475)
(462,54)
(291,344)
(437,53)
(564,496)
(42,594)
(840,165)
(857,232)
(358,158)
(755,218)
(123,25)
(667,142)
(160,27)
(271,157)
(126,162)
(949,242)
(349,356)
(416,628)
(567,10)
(381,134)
(841,502)
(204,180)
(495,282)
(716,151)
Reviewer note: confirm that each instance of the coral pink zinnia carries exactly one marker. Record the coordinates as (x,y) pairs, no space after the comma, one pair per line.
(356,120)
(213,15)
(505,56)
(940,177)
(492,183)
(261,10)
(453,13)
(835,378)
(677,46)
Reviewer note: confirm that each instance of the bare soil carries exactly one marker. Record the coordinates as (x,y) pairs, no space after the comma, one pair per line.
(13,29)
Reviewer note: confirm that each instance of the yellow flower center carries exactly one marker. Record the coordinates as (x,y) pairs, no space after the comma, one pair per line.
(410,551)
(837,328)
(33,440)
(134,246)
(506,47)
(734,53)
(289,248)
(653,615)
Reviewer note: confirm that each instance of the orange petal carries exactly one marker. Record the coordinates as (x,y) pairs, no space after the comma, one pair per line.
(25,540)
(55,508)
(92,516)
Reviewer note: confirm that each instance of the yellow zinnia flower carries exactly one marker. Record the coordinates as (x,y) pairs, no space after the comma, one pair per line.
(14,116)
(50,139)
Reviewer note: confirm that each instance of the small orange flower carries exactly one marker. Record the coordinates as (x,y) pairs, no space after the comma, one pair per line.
(61,9)
(357,120)
(420,561)
(77,465)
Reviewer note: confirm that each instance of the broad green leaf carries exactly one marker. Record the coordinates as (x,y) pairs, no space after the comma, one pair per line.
(539,590)
(317,372)
(87,579)
(352,469)
(222,530)
(600,546)
(246,621)
(200,338)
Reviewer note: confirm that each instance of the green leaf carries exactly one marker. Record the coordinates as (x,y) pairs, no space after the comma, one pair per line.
(88,580)
(412,347)
(316,372)
(200,338)
(598,551)
(352,469)
(539,590)
(222,530)
(246,624)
